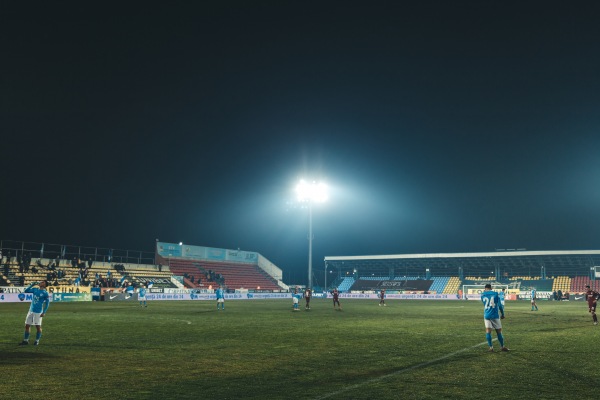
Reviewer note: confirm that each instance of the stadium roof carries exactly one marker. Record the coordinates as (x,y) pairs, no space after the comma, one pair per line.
(507,263)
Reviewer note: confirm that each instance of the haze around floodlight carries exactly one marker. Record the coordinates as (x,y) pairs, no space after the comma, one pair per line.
(314,192)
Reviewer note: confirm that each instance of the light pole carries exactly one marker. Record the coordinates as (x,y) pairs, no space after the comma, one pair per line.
(309,193)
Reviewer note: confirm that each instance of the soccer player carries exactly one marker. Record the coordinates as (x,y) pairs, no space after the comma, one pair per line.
(491,318)
(220,298)
(296,299)
(592,297)
(142,296)
(502,294)
(39,306)
(307,296)
(533,305)
(336,299)
(382,297)
(129,290)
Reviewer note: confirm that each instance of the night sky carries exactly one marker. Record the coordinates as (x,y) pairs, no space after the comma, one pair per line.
(439,126)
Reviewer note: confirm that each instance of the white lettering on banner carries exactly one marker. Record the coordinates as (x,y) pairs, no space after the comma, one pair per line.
(401,296)
(13,289)
(191,295)
(178,291)
(17,297)
(538,295)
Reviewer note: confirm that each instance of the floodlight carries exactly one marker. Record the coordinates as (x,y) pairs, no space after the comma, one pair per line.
(310,193)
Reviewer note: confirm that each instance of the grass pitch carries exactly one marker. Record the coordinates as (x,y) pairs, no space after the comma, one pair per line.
(261,349)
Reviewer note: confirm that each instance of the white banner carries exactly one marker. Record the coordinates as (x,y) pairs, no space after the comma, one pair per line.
(400,296)
(17,297)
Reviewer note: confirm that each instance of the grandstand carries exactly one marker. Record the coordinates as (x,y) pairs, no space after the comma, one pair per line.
(171,266)
(547,271)
(210,274)
(195,267)
(235,269)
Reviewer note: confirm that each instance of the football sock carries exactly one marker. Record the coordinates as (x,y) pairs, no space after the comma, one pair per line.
(26,336)
(38,336)
(501,339)
(595,317)
(488,337)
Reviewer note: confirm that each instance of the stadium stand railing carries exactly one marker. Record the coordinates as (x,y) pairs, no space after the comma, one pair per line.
(562,283)
(346,284)
(453,285)
(541,285)
(232,275)
(578,284)
(439,284)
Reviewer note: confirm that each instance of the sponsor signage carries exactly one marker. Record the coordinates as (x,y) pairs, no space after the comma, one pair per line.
(16,297)
(120,297)
(13,289)
(167,250)
(192,295)
(399,296)
(65,297)
(166,296)
(268,295)
(538,295)
(156,280)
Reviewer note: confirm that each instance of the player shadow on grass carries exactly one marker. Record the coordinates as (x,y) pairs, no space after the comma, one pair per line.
(24,357)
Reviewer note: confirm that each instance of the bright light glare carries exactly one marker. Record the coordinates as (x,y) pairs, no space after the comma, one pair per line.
(311,192)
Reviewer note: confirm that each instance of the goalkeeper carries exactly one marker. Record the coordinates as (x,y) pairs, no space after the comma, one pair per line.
(39,306)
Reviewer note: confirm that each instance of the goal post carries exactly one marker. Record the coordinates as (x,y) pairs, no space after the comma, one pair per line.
(473,292)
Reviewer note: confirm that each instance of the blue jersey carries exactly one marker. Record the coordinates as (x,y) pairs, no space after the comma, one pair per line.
(219,293)
(142,292)
(40,301)
(533,294)
(297,295)
(491,305)
(501,295)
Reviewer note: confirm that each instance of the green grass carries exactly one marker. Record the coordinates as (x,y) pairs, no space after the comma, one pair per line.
(263,350)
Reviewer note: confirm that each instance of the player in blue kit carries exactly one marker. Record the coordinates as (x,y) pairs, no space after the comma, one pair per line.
(220,298)
(39,306)
(502,296)
(129,290)
(296,299)
(491,317)
(142,296)
(533,297)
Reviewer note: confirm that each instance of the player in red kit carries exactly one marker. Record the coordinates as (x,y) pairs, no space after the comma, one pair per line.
(336,299)
(307,296)
(382,297)
(592,297)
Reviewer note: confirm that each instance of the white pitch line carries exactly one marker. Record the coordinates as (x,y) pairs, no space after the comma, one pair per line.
(400,371)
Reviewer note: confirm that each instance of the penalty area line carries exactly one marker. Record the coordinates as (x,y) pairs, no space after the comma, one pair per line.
(398,372)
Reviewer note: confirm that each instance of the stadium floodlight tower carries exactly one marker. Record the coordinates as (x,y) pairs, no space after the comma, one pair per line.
(309,194)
